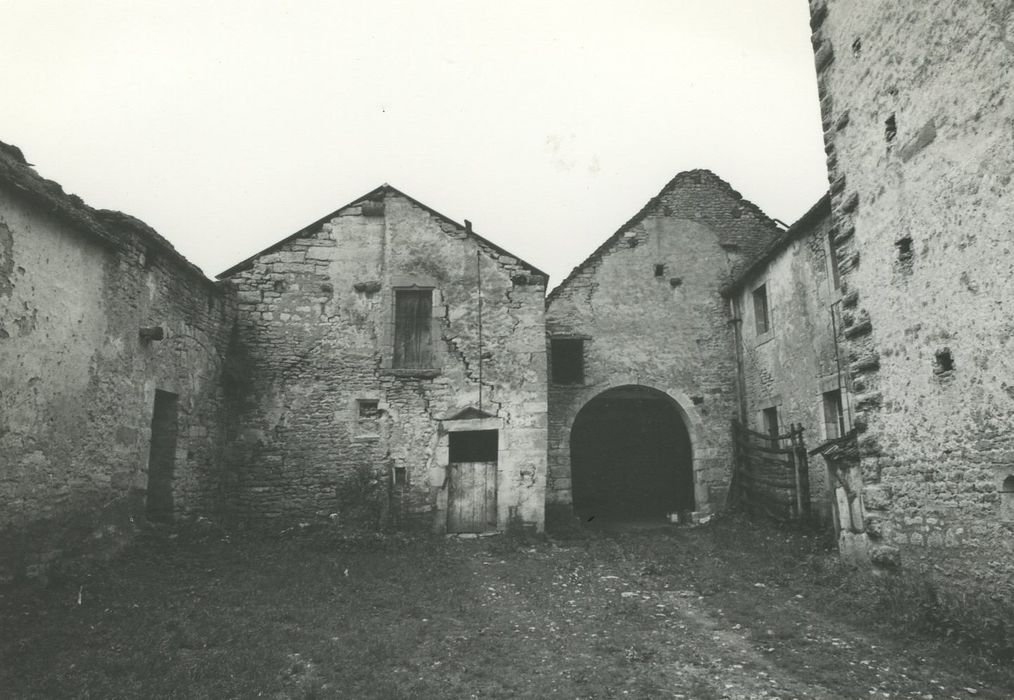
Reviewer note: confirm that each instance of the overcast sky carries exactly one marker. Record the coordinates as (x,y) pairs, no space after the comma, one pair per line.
(228,125)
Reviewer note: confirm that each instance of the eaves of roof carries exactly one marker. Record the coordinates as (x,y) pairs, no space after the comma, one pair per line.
(801,227)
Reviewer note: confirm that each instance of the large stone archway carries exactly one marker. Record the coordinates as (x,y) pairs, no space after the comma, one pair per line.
(631,456)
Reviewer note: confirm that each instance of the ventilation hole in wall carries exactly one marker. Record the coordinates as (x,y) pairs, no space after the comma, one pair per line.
(676,282)
(698,400)
(278,286)
(400,476)
(904,246)
(857,47)
(943,361)
(890,129)
(659,270)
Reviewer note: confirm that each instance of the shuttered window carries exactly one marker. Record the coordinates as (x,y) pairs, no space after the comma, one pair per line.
(413,318)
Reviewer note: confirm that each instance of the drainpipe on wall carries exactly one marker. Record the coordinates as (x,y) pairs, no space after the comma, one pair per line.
(737,327)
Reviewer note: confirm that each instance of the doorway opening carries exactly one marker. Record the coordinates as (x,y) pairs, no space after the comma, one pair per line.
(631,457)
(161,458)
(471,496)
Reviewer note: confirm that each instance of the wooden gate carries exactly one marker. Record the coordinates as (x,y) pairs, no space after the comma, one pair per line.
(471,497)
(771,476)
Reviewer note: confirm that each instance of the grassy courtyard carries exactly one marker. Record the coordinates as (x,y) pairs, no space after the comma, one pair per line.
(729,610)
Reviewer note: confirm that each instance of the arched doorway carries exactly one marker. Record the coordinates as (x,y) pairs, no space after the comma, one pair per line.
(631,456)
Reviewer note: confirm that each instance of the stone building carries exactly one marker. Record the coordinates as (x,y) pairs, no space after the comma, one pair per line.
(917,108)
(642,383)
(786,308)
(392,367)
(111,349)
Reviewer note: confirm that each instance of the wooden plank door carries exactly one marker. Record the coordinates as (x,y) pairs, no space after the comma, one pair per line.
(471,498)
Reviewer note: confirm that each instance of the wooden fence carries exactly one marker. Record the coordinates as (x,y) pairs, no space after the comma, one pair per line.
(771,476)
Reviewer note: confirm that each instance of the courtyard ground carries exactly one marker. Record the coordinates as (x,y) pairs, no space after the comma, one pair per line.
(728,610)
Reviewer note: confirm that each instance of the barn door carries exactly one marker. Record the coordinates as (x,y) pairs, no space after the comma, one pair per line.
(471,497)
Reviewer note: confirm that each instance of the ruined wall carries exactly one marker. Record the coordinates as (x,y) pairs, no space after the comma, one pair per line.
(796,361)
(918,115)
(77,383)
(665,328)
(315,339)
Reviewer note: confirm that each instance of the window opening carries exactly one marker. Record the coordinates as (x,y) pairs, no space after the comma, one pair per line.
(834,415)
(760,309)
(400,476)
(659,270)
(1007,499)
(904,247)
(413,322)
(567,360)
(473,446)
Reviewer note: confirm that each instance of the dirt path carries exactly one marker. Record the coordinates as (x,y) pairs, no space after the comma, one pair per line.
(724,611)
(578,616)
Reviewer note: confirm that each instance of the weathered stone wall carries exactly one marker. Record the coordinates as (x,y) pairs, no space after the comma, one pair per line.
(668,331)
(918,117)
(315,337)
(77,383)
(796,361)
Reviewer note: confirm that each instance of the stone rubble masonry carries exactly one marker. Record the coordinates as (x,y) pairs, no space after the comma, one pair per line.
(315,337)
(668,332)
(78,382)
(796,361)
(918,113)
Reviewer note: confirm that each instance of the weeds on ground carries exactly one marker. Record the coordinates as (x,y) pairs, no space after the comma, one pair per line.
(908,599)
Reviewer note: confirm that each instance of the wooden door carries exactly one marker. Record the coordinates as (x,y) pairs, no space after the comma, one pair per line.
(471,498)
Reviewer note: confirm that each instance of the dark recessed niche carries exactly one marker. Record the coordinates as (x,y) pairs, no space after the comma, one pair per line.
(904,246)
(943,361)
(400,476)
(278,286)
(659,270)
(890,129)
(676,282)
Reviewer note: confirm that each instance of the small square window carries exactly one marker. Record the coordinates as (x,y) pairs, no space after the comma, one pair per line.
(567,360)
(369,409)
(761,311)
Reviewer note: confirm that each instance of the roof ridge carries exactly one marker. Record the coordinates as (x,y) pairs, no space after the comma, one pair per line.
(385,187)
(651,204)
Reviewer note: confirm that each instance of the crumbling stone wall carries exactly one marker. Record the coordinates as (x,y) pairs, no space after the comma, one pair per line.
(667,327)
(792,365)
(78,381)
(315,339)
(917,115)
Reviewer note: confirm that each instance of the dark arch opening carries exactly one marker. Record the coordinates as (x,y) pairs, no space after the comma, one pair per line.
(631,456)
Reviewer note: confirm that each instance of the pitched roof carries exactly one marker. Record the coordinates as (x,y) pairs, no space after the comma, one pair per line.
(819,210)
(688,175)
(108,227)
(375,194)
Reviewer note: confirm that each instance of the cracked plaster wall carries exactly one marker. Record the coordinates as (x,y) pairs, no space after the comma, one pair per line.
(315,335)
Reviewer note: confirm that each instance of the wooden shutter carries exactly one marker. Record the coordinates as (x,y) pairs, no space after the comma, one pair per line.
(413,314)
